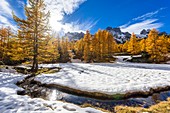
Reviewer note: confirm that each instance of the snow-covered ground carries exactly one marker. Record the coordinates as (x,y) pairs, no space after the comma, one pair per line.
(109,78)
(10,102)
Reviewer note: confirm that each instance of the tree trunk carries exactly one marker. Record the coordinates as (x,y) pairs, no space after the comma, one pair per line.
(35,58)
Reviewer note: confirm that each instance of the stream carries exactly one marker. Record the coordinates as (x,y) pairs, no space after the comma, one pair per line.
(37,90)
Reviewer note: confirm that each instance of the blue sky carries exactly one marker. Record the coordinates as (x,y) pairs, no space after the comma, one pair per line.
(82,15)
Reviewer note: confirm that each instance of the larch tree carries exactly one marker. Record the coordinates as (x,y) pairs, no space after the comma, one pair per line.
(5,43)
(63,48)
(133,46)
(96,45)
(34,29)
(50,50)
(87,45)
(112,45)
(79,48)
(17,51)
(125,46)
(156,46)
(143,45)
(168,41)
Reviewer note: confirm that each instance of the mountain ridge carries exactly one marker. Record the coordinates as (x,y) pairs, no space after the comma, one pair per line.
(119,36)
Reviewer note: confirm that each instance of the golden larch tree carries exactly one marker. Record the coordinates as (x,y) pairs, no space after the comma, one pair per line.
(34,29)
(87,45)
(156,46)
(133,46)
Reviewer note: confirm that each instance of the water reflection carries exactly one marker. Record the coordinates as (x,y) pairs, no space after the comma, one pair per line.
(55,95)
(109,104)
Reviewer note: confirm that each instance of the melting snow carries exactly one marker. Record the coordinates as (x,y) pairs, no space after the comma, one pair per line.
(116,78)
(10,102)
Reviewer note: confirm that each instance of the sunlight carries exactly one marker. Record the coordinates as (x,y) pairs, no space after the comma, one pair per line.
(55,95)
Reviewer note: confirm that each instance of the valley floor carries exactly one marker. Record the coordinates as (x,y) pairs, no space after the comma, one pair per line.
(10,102)
(109,78)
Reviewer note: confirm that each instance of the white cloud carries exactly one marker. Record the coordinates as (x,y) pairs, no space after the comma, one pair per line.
(59,8)
(6,14)
(5,8)
(146,24)
(146,21)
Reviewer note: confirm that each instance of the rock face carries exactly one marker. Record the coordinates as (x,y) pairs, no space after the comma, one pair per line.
(119,36)
(74,36)
(145,32)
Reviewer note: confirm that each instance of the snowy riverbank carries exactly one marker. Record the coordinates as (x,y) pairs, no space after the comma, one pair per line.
(10,102)
(116,78)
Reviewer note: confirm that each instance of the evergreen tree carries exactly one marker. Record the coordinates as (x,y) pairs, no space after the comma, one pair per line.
(63,50)
(156,46)
(125,46)
(79,48)
(133,46)
(34,29)
(5,43)
(87,46)
(143,45)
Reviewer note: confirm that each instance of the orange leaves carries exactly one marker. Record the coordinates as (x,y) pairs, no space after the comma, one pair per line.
(156,46)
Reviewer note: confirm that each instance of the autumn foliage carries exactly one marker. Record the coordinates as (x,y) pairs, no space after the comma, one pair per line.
(98,48)
(34,43)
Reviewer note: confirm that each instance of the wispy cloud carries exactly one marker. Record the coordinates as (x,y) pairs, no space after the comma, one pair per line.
(21,3)
(146,24)
(146,21)
(148,15)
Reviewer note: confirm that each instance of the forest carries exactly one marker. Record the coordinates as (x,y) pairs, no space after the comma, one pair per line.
(23,47)
(35,43)
(42,71)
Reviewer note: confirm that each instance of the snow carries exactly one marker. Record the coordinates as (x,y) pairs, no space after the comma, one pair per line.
(110,78)
(10,102)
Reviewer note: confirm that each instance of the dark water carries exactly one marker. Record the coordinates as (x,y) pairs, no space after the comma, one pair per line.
(109,104)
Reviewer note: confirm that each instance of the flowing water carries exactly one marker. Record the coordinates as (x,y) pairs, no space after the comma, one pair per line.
(34,89)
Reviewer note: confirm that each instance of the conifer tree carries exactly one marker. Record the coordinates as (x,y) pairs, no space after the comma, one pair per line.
(63,50)
(79,48)
(156,46)
(97,45)
(34,29)
(125,46)
(87,45)
(5,43)
(50,51)
(143,45)
(17,51)
(133,46)
(168,43)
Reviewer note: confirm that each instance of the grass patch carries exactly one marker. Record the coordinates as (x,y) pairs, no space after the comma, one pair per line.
(162,107)
(118,96)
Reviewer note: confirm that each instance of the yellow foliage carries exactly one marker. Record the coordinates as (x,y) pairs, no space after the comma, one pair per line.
(156,46)
(133,45)
(162,107)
